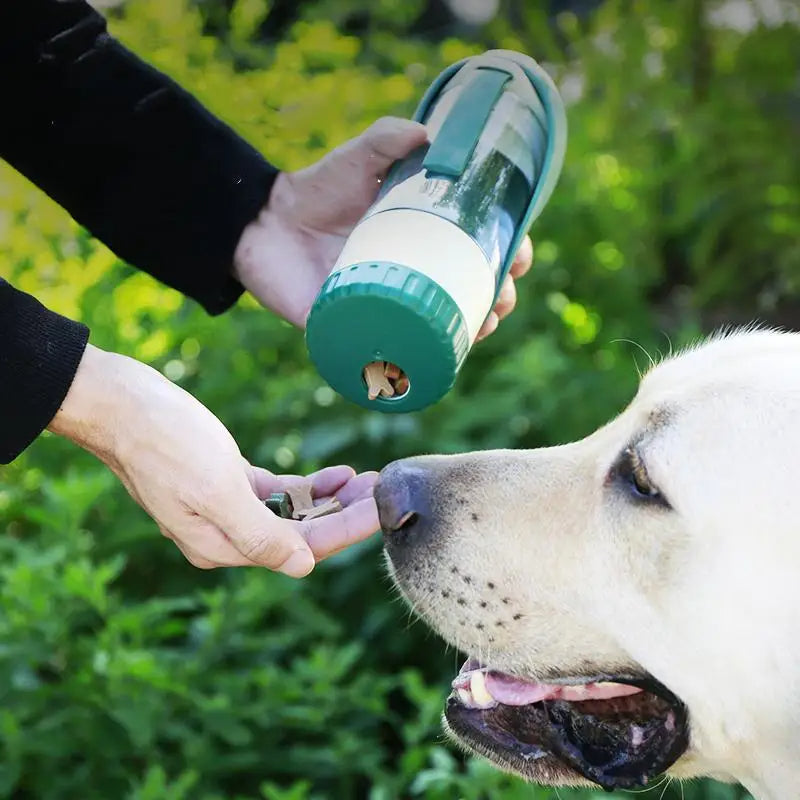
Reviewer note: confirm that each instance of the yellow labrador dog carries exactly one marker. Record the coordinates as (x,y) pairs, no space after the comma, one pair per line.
(630,603)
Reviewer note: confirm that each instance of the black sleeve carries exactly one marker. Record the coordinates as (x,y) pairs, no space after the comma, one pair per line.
(134,158)
(39,354)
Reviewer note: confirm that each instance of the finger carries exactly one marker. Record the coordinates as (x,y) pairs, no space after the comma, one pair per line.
(324,483)
(488,327)
(259,535)
(523,259)
(388,139)
(344,182)
(507,298)
(330,480)
(329,535)
(359,487)
(265,483)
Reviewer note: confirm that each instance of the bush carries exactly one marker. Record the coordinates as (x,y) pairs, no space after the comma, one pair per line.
(124,672)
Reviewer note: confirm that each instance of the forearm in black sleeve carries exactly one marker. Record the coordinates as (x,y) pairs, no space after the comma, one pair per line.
(39,355)
(133,157)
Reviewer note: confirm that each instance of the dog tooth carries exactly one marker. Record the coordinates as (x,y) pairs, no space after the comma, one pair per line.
(465,696)
(480,694)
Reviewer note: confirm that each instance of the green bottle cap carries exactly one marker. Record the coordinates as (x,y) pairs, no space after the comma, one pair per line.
(385,312)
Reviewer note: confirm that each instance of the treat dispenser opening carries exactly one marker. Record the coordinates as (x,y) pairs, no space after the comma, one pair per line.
(384,379)
(420,272)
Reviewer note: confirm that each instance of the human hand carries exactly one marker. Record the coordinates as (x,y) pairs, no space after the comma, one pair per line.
(285,255)
(180,464)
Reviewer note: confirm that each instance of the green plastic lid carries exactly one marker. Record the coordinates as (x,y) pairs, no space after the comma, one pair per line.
(381,311)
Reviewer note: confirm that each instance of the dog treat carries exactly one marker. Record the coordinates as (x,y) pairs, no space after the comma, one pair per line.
(401,384)
(331,506)
(396,377)
(296,503)
(391,371)
(300,496)
(280,503)
(377,383)
(385,379)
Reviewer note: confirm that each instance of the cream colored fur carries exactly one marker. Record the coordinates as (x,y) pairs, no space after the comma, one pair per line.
(548,568)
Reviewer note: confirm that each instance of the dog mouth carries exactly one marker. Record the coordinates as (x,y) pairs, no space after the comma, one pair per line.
(618,731)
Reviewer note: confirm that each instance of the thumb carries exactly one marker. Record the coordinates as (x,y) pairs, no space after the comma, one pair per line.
(332,194)
(386,140)
(362,161)
(262,537)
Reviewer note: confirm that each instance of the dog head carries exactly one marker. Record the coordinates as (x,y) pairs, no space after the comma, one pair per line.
(627,602)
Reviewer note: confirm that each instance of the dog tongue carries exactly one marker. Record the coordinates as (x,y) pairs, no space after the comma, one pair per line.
(512,691)
(515,692)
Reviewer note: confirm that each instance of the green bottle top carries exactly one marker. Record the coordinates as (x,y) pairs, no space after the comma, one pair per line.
(387,312)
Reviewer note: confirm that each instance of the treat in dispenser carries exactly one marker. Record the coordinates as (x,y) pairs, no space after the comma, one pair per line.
(420,272)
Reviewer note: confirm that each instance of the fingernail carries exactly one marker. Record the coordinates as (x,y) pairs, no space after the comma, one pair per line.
(298,565)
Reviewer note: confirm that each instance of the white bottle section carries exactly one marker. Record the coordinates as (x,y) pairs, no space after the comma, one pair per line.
(433,246)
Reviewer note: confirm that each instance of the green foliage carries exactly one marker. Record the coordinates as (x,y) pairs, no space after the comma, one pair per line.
(126,673)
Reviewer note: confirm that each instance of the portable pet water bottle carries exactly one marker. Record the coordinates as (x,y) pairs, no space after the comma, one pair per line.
(421,270)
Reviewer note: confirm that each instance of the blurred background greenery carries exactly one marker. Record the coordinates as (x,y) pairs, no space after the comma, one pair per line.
(126,673)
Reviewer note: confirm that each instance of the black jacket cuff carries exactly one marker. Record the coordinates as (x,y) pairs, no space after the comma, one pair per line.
(39,355)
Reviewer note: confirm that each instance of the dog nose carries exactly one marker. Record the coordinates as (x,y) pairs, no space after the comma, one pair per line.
(402,496)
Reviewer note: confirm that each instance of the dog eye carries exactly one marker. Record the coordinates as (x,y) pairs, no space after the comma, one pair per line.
(631,472)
